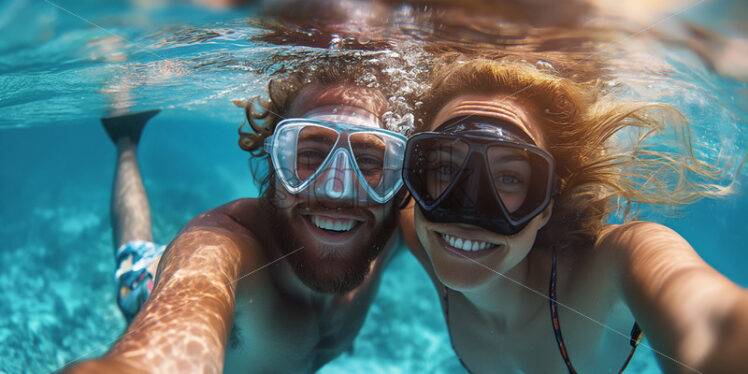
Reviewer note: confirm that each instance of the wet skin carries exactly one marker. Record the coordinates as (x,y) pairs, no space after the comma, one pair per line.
(230,268)
(499,316)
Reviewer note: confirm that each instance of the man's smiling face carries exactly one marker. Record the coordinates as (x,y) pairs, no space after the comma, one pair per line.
(340,237)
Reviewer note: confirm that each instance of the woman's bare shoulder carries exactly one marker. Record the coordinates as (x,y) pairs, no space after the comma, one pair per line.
(642,241)
(622,249)
(635,231)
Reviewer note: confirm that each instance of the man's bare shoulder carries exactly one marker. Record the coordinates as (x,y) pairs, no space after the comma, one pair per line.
(238,212)
(233,224)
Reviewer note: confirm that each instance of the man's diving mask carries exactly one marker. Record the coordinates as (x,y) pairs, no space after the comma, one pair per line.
(479,170)
(338,153)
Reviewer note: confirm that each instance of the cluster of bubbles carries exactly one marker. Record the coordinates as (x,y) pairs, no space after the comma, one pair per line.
(407,74)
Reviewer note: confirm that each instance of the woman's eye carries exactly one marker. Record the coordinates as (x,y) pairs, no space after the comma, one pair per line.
(508,179)
(445,169)
(509,182)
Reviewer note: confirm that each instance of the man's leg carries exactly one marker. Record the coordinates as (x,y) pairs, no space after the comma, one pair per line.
(131,214)
(136,254)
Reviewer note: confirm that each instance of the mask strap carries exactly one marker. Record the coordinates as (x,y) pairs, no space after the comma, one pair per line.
(406,201)
(344,114)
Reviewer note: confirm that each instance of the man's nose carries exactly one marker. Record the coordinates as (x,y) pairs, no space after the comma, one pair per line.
(338,177)
(337,180)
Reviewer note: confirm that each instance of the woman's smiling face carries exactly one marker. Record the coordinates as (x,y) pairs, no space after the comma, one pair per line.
(465,256)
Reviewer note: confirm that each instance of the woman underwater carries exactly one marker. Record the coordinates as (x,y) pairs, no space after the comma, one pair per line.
(514,179)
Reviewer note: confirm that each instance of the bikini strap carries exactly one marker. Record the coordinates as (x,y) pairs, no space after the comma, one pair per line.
(636,337)
(554,317)
(636,332)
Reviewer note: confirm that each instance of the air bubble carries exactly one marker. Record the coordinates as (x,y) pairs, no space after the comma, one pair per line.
(542,64)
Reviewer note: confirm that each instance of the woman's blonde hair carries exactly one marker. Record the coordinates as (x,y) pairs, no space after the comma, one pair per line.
(582,124)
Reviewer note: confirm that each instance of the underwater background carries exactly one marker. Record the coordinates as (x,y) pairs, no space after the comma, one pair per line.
(64,65)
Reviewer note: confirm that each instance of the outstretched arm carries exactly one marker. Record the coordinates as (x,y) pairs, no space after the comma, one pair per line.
(185,323)
(688,310)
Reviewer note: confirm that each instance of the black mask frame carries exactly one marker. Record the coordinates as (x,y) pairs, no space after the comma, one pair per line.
(471,196)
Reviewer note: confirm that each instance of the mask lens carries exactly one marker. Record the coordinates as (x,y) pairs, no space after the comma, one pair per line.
(435,164)
(520,178)
(313,145)
(365,163)
(299,151)
(369,151)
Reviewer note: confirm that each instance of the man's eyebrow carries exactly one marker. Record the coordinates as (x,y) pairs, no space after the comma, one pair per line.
(359,145)
(318,138)
(367,141)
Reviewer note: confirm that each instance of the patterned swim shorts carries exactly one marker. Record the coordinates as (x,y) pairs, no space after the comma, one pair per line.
(134,285)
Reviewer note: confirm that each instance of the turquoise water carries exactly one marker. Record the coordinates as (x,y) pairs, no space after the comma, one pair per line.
(60,75)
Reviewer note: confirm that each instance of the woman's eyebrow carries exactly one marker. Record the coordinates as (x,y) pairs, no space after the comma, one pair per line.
(451,151)
(511,156)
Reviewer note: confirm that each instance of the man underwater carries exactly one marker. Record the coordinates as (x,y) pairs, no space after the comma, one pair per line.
(283,282)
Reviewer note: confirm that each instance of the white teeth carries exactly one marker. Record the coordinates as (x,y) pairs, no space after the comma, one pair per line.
(328,224)
(466,244)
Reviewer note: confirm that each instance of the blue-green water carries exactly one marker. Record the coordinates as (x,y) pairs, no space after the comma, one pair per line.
(57,77)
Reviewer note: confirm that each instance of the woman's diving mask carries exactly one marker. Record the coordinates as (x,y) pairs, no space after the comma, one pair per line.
(481,171)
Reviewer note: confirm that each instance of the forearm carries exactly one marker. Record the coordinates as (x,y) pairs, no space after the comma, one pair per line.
(685,321)
(103,365)
(729,353)
(684,306)
(184,325)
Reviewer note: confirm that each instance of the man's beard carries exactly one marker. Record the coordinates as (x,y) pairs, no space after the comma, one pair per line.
(334,273)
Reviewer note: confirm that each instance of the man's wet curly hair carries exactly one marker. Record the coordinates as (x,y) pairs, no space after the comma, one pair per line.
(581,122)
(264,114)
